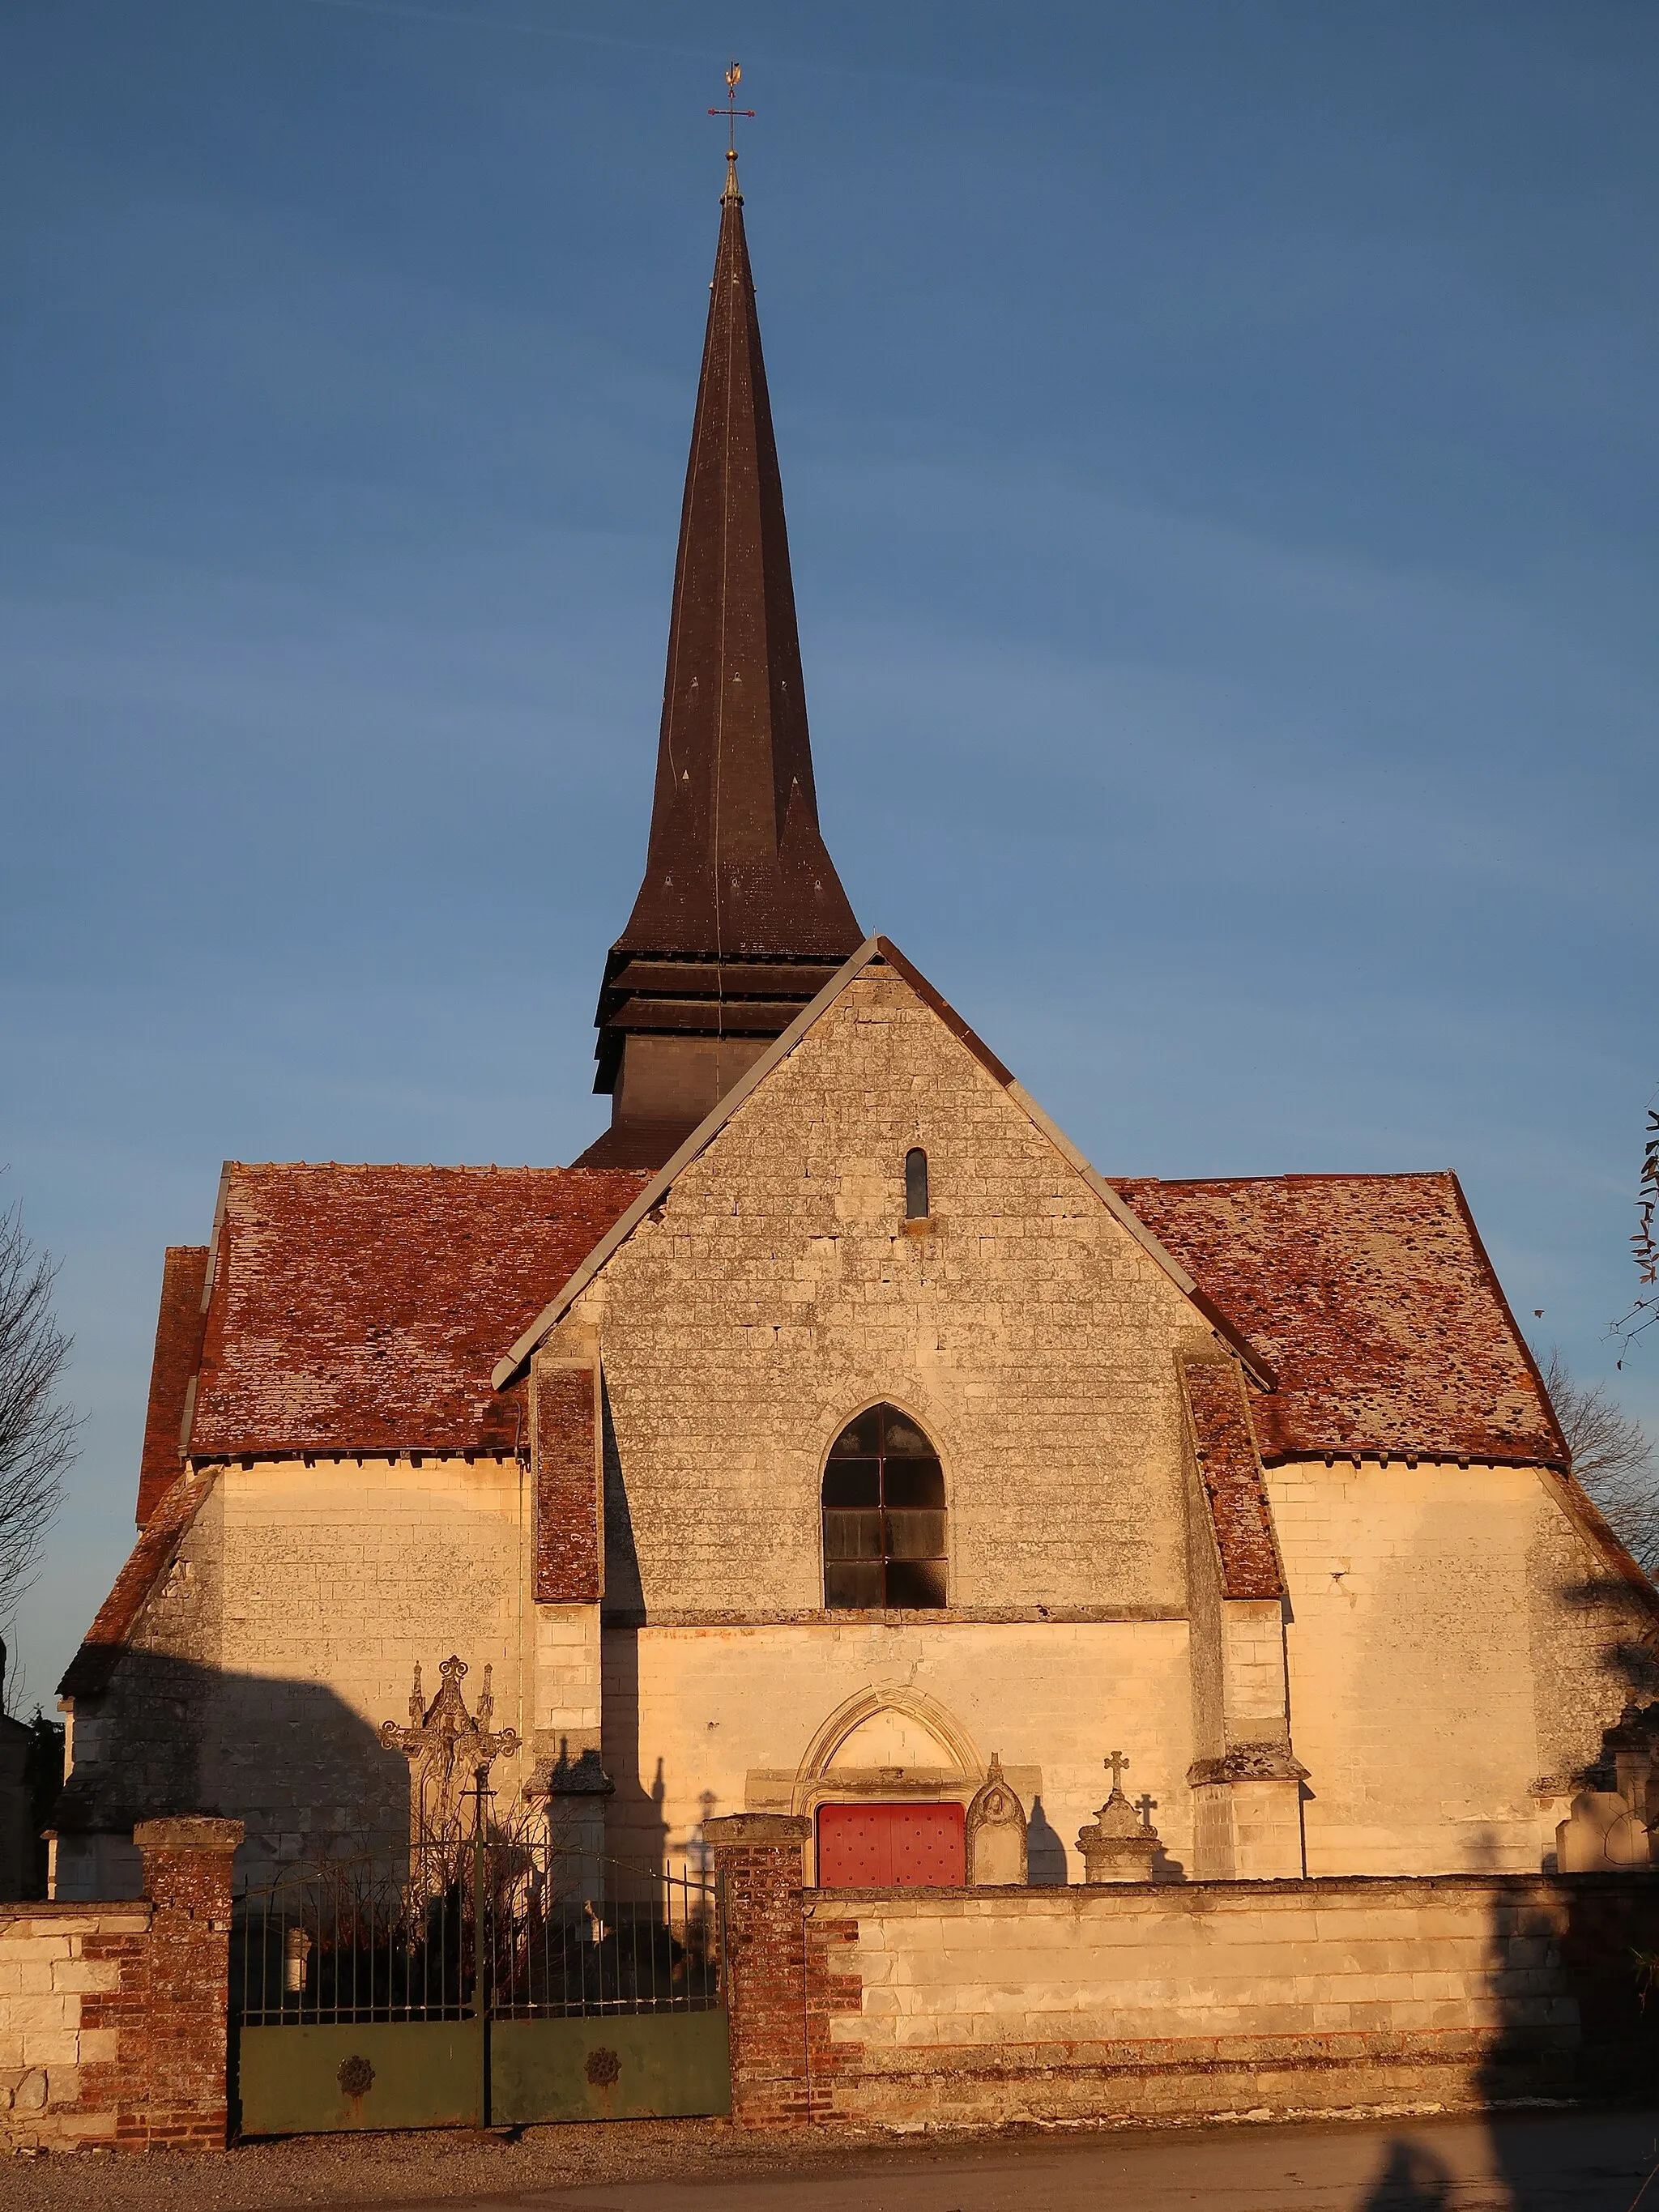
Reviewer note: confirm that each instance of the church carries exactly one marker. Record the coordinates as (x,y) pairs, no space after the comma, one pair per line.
(833,1437)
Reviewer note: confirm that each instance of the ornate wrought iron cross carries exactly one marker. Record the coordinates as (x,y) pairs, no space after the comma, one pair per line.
(445,1745)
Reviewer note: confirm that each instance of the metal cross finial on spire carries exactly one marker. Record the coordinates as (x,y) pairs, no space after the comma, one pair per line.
(731,112)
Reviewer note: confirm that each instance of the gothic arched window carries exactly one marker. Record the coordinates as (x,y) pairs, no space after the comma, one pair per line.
(884,1515)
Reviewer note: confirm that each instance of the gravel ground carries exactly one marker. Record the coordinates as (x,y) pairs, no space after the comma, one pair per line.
(378,2169)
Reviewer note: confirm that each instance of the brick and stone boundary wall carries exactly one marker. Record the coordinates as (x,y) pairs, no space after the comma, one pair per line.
(1162,2002)
(113,2017)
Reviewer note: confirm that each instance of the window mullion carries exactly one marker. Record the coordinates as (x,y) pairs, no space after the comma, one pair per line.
(881,1492)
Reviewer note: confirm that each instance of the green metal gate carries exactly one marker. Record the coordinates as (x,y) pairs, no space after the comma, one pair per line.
(493,1982)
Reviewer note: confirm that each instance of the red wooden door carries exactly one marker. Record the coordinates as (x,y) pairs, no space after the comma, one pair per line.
(891,1847)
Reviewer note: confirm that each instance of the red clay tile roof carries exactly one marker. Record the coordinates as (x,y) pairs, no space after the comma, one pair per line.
(1374,1299)
(362,1308)
(178,1328)
(1231,1472)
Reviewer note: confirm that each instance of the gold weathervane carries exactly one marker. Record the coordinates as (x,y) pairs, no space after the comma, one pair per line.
(731,112)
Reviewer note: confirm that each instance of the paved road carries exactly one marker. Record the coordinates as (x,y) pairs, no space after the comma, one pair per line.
(1534,2162)
(1537,2162)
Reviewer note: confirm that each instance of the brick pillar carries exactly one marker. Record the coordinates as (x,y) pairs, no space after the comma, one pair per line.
(758,1877)
(788,1974)
(187,1880)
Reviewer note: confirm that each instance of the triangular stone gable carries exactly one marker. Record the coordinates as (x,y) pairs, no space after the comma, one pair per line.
(772,1287)
(881,1039)
(878,954)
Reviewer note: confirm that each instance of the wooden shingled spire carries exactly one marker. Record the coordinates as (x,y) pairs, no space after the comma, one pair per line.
(741,918)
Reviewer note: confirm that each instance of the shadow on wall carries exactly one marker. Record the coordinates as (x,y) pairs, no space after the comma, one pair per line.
(307,1775)
(1045,1853)
(1563,1975)
(1586,1958)
(1628,1660)
(624,1593)
(636,1828)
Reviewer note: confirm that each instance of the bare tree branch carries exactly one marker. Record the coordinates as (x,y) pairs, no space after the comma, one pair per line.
(38,1431)
(1613,1456)
(1644,1313)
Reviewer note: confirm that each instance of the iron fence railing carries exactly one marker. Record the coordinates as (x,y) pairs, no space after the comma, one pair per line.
(563,1935)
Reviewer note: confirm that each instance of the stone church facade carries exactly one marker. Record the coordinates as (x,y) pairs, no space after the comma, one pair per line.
(832,1428)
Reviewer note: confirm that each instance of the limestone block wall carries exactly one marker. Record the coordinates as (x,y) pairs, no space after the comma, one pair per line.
(778,1290)
(1410,1663)
(1252,1670)
(83,1867)
(137,1747)
(702,1723)
(568,1687)
(332,1590)
(286,1632)
(1592,1645)
(65,1972)
(1218,1997)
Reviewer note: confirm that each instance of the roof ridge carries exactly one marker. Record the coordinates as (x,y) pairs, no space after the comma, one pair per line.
(417,1167)
(1297,1174)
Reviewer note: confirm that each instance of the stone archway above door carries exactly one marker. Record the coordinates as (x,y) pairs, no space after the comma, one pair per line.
(890,1740)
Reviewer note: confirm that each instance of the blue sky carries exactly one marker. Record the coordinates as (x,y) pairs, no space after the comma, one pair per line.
(1218,440)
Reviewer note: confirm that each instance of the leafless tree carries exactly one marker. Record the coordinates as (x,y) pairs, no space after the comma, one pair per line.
(1644,1313)
(38,1430)
(1613,1456)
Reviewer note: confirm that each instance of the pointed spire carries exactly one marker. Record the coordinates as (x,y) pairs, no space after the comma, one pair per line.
(737,876)
(735,865)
